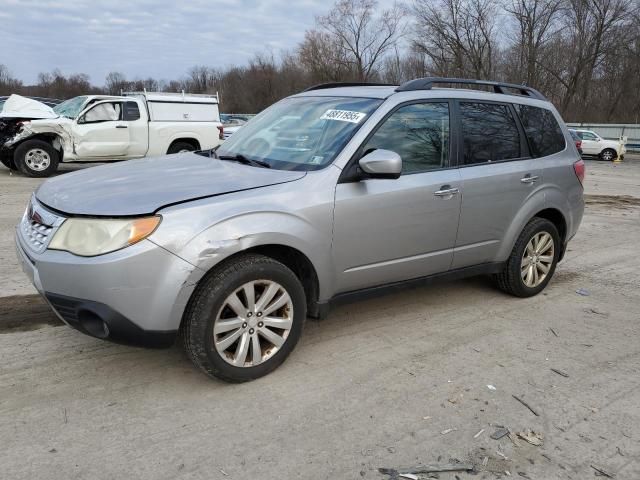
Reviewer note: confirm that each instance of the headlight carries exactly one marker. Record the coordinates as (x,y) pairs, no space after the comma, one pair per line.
(90,236)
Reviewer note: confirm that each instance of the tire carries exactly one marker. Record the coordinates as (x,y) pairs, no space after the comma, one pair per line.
(180,147)
(36,158)
(513,279)
(608,155)
(209,306)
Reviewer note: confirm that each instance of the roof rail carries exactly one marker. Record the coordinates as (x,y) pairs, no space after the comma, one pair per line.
(498,87)
(322,86)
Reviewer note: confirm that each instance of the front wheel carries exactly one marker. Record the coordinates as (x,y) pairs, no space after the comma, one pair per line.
(244,319)
(532,261)
(608,155)
(36,158)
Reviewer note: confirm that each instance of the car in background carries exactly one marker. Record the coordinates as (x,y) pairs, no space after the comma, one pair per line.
(594,145)
(577,140)
(34,137)
(231,126)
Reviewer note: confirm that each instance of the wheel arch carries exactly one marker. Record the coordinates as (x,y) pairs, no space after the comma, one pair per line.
(194,142)
(55,140)
(289,256)
(553,214)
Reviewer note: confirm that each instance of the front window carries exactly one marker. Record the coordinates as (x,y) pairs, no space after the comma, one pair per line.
(70,108)
(419,133)
(300,133)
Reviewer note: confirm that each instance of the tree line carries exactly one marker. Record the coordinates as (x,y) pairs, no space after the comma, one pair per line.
(584,55)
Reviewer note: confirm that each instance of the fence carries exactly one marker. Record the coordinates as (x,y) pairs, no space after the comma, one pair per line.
(613,131)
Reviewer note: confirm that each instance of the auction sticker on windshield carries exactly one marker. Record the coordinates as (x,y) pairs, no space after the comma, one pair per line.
(343,116)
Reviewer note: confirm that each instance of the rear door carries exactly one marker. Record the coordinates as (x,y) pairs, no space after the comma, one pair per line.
(100,132)
(498,175)
(392,230)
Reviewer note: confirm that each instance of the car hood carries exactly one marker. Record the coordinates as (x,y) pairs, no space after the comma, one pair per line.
(18,106)
(139,187)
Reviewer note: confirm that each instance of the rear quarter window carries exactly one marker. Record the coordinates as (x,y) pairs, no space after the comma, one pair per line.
(543,133)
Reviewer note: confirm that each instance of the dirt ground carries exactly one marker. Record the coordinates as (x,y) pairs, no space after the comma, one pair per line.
(422,376)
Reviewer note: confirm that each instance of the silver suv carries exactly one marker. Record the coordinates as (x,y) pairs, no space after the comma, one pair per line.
(330,193)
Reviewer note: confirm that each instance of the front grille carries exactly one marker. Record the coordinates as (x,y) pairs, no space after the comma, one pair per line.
(36,234)
(38,225)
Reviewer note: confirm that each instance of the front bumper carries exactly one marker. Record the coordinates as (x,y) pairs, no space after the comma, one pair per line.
(136,295)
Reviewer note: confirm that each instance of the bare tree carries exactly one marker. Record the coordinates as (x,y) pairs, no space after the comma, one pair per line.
(535,23)
(363,37)
(322,56)
(115,83)
(8,84)
(458,36)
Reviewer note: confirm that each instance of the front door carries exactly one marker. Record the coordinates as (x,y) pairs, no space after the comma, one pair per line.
(392,230)
(101,132)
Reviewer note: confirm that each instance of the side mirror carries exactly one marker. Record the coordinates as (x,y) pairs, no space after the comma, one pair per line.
(381,164)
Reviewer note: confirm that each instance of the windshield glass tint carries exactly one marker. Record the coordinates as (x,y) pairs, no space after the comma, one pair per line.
(70,108)
(300,133)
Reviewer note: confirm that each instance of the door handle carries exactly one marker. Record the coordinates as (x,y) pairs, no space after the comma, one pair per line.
(446,191)
(529,178)
(121,126)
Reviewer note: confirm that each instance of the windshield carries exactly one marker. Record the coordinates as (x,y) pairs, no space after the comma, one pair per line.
(300,133)
(70,108)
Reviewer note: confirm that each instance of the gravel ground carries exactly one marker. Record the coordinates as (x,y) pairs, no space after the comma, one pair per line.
(393,381)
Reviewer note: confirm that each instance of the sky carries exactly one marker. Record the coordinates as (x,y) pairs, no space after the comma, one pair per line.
(146,38)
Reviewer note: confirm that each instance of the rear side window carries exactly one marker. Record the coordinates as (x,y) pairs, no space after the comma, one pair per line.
(542,130)
(131,111)
(489,133)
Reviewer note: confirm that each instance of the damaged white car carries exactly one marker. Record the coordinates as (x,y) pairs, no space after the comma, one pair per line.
(35,138)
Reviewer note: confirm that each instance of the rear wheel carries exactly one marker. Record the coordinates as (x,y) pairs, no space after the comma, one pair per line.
(532,261)
(608,155)
(36,158)
(244,319)
(180,147)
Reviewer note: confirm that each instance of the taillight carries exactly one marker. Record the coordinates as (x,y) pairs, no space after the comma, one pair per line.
(221,130)
(579,168)
(579,144)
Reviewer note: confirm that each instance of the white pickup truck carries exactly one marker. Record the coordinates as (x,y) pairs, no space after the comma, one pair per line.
(34,138)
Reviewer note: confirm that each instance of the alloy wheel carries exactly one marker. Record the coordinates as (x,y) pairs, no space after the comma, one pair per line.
(537,259)
(253,323)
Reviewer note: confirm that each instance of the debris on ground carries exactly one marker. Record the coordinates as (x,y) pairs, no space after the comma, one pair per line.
(491,387)
(396,473)
(514,439)
(526,405)
(531,437)
(499,433)
(560,372)
(448,430)
(602,473)
(583,291)
(553,331)
(479,433)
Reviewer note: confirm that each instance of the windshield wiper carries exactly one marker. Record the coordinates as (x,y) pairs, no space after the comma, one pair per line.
(244,160)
